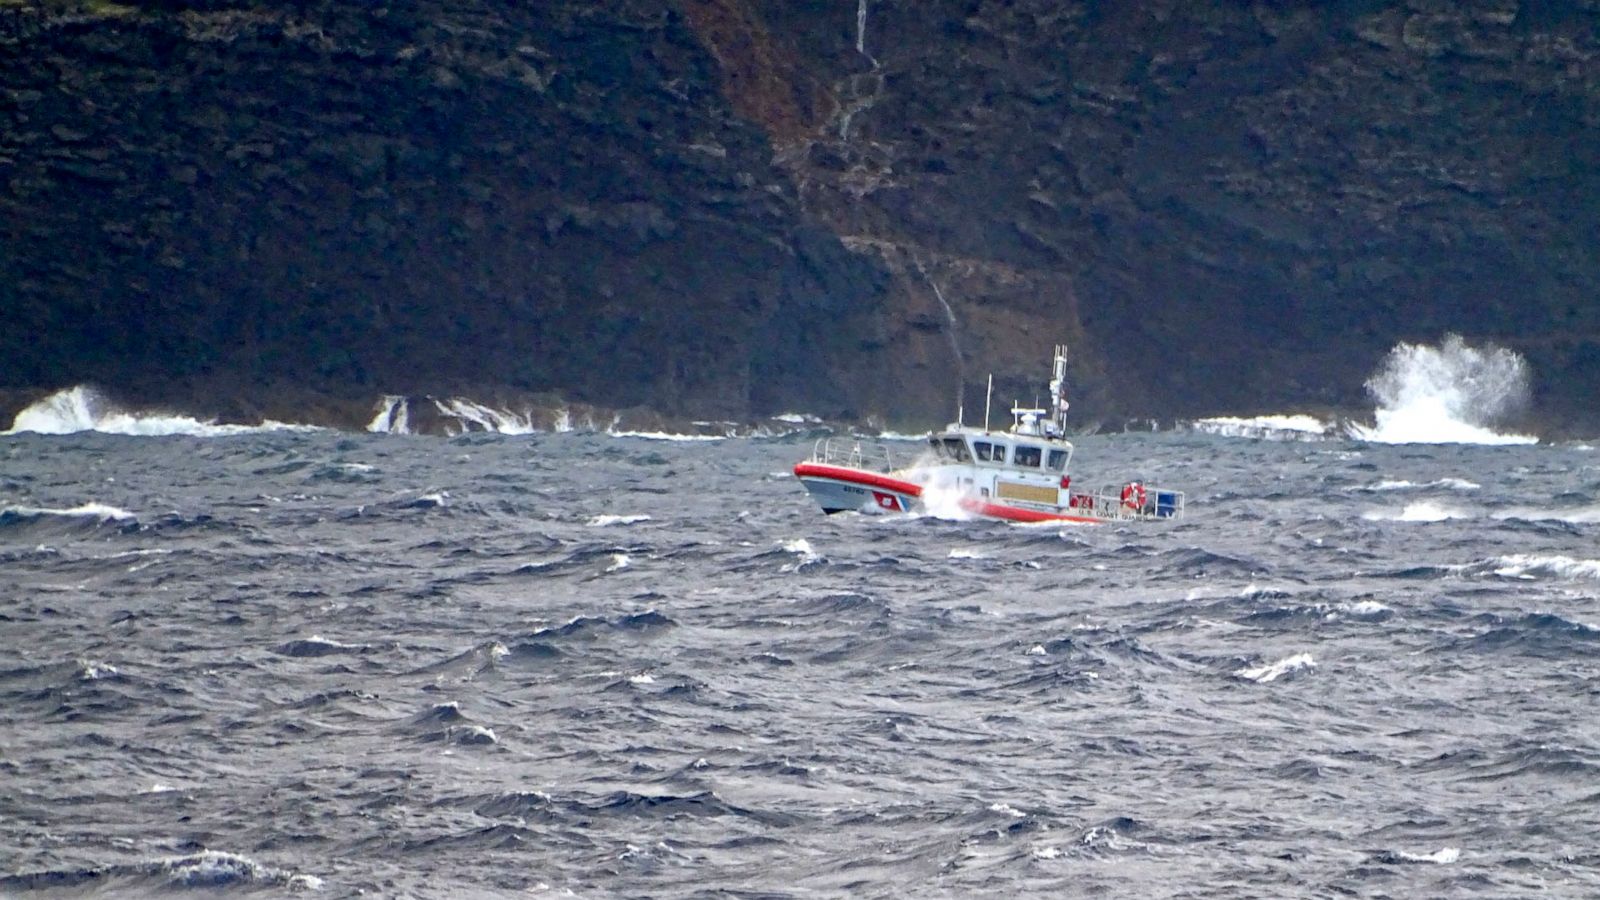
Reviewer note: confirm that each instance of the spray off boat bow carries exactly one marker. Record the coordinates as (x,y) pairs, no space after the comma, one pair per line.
(1020,475)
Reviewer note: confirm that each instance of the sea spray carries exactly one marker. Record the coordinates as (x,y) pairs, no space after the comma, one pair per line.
(82,408)
(1450,394)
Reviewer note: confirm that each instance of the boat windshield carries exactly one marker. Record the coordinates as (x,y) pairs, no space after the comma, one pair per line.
(987,452)
(1058,460)
(1025,455)
(955,448)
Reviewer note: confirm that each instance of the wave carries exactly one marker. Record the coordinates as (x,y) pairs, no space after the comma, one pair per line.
(1531,566)
(1269,672)
(1432,511)
(98,512)
(1450,484)
(1421,511)
(1283,427)
(208,869)
(82,408)
(1453,393)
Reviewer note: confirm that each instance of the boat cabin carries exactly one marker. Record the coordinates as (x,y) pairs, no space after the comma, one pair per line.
(1009,450)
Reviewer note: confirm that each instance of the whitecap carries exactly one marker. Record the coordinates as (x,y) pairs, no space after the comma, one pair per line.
(801,548)
(668,436)
(82,408)
(1530,566)
(1366,608)
(89,670)
(1273,427)
(965,553)
(1269,672)
(619,561)
(472,735)
(91,510)
(1580,516)
(642,678)
(609,520)
(1443,856)
(1011,811)
(1421,511)
(1454,484)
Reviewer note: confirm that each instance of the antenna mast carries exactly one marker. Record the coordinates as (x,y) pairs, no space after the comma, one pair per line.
(1058,388)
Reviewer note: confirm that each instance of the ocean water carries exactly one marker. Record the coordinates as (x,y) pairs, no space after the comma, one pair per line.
(282,662)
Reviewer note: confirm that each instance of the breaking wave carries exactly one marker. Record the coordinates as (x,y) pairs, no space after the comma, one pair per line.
(1450,394)
(1297,427)
(82,408)
(1453,393)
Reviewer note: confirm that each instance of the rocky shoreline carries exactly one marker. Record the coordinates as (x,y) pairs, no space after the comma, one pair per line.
(726,209)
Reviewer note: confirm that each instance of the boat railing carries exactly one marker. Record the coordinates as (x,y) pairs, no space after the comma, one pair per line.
(1118,502)
(852,453)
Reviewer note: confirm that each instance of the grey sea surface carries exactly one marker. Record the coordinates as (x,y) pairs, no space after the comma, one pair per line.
(616,667)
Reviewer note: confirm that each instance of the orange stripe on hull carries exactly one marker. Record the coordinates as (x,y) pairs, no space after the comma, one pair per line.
(857,476)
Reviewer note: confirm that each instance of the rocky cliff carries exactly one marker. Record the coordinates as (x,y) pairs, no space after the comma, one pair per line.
(735,207)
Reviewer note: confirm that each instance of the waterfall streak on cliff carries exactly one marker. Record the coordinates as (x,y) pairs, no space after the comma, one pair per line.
(861,28)
(954,331)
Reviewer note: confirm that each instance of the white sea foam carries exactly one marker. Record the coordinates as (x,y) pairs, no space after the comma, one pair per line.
(802,549)
(214,868)
(82,408)
(642,678)
(795,418)
(393,416)
(472,734)
(474,416)
(1527,565)
(1443,856)
(1293,427)
(1453,484)
(1581,515)
(89,670)
(1450,394)
(1421,511)
(609,520)
(1007,809)
(668,436)
(965,553)
(1366,608)
(619,561)
(942,498)
(92,510)
(1269,672)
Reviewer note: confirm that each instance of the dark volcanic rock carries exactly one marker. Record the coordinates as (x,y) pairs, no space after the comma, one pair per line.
(732,207)
(246,199)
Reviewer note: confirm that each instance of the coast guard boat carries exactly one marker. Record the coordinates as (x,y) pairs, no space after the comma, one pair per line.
(1018,475)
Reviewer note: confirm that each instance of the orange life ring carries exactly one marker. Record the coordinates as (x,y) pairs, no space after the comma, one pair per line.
(1133,495)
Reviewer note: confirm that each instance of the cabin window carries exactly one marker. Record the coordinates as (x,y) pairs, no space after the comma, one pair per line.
(956,449)
(1058,460)
(987,452)
(1026,456)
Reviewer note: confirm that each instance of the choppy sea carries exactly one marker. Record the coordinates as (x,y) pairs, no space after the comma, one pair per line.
(599,666)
